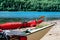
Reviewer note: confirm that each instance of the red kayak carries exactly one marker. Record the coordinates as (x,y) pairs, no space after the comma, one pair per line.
(15,25)
(11,25)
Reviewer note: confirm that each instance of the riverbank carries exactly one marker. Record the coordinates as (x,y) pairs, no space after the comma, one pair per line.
(54,33)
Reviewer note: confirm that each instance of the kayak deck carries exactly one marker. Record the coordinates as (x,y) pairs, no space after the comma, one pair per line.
(22,33)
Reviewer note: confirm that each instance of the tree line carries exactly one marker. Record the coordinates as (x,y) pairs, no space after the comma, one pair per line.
(28,5)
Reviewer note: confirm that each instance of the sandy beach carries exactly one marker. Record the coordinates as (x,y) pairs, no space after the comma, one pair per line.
(54,33)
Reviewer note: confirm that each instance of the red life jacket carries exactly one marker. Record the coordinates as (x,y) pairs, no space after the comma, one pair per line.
(32,23)
(39,21)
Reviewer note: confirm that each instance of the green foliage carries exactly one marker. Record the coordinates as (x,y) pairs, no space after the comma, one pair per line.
(29,5)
